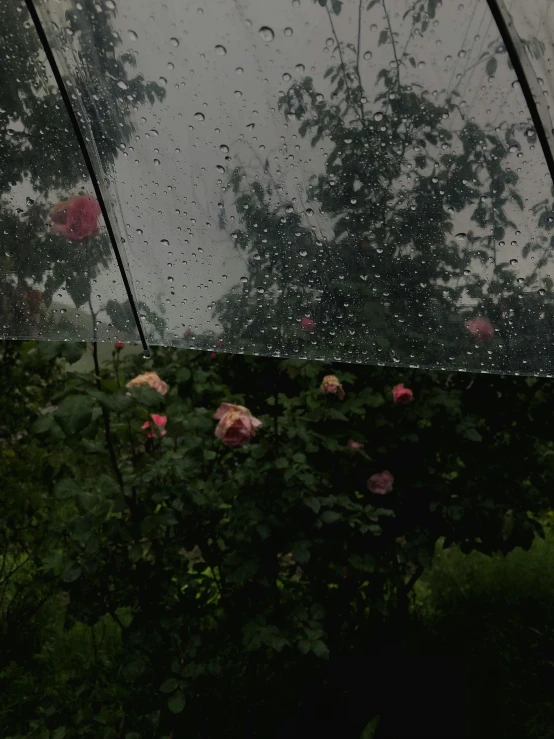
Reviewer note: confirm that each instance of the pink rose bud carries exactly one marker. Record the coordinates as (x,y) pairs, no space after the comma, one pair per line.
(151,379)
(77,218)
(213,355)
(236,424)
(188,331)
(159,426)
(481,329)
(119,345)
(307,323)
(401,394)
(355,444)
(380,483)
(331,384)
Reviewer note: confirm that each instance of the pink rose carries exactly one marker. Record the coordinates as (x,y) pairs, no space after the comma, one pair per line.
(401,394)
(355,444)
(151,379)
(159,426)
(481,329)
(119,345)
(77,218)
(307,323)
(380,483)
(213,355)
(331,384)
(236,424)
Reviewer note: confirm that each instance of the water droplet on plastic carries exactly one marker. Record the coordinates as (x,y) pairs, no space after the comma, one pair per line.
(300,68)
(286,76)
(530,132)
(288,31)
(303,253)
(368,55)
(220,50)
(239,70)
(223,148)
(200,116)
(542,291)
(244,280)
(122,85)
(513,261)
(174,41)
(462,53)
(132,35)
(220,168)
(461,236)
(266,33)
(378,117)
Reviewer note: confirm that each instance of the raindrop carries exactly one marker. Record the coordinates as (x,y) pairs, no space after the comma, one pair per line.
(157,162)
(300,68)
(200,116)
(238,94)
(462,53)
(29,201)
(260,290)
(378,117)
(122,85)
(132,35)
(162,81)
(220,168)
(368,55)
(513,261)
(288,31)
(244,280)
(174,41)
(286,76)
(239,70)
(170,279)
(221,50)
(542,291)
(250,126)
(303,253)
(530,132)
(309,212)
(514,148)
(461,236)
(224,148)
(266,33)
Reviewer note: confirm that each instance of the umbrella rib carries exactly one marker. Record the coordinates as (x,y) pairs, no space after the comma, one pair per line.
(527,79)
(88,161)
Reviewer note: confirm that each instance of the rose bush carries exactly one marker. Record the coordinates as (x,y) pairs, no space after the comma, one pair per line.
(267,544)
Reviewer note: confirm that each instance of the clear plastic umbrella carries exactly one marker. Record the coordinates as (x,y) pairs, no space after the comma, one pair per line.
(364,181)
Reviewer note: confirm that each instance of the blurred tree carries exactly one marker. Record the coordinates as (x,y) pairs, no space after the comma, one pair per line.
(369,256)
(41,161)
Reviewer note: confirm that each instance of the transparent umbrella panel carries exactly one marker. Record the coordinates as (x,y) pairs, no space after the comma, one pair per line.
(58,276)
(338,180)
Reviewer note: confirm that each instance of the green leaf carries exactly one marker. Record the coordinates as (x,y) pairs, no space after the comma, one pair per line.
(59,733)
(337,6)
(74,414)
(44,424)
(176,702)
(491,66)
(313,503)
(148,397)
(183,374)
(383,37)
(72,351)
(170,685)
(66,488)
(71,572)
(330,516)
(320,649)
(300,552)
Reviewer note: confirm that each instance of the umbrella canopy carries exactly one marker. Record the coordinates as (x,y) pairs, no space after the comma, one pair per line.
(365,181)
